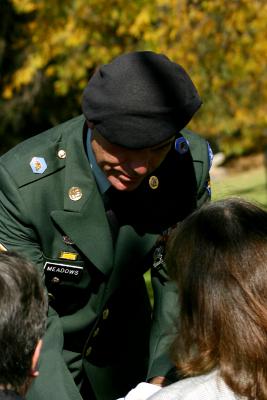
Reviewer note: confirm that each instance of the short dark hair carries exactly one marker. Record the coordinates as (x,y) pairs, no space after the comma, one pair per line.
(218,258)
(23,308)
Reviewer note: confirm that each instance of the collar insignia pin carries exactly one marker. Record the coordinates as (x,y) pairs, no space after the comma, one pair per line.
(153,182)
(75,193)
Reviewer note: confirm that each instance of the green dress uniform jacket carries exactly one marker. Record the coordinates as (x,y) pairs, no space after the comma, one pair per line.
(99,323)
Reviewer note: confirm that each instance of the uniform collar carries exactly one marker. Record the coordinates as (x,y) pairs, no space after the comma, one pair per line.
(101,179)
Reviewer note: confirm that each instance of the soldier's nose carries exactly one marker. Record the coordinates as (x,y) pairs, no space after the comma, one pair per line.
(139,167)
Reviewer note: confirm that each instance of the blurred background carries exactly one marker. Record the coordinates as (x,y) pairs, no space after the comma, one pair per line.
(50,48)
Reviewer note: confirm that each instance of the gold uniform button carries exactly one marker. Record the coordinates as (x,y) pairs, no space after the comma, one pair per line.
(105,313)
(96,332)
(88,351)
(75,193)
(61,154)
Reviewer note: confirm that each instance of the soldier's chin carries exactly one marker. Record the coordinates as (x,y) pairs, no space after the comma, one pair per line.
(124,185)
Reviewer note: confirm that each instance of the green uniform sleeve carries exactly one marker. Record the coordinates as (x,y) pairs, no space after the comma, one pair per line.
(54,381)
(166,306)
(17,234)
(202,159)
(203,178)
(164,319)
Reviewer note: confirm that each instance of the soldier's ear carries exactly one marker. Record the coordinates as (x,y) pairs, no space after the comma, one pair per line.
(34,372)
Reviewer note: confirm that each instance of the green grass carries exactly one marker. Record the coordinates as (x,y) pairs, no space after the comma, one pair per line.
(251,185)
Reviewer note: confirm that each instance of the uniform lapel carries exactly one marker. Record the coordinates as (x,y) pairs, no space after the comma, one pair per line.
(84,219)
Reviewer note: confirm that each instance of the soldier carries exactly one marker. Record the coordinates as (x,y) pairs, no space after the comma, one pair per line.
(91,202)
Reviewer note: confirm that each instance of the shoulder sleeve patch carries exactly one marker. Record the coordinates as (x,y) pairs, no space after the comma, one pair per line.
(181,145)
(210,155)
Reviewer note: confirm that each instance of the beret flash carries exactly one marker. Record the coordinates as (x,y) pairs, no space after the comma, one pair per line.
(140,99)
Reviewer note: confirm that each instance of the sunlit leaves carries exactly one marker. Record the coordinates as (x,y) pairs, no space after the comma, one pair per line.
(221,43)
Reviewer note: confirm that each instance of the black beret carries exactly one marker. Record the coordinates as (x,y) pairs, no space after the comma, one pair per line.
(140,99)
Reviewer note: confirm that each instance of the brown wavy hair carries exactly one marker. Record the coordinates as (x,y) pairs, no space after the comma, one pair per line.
(218,258)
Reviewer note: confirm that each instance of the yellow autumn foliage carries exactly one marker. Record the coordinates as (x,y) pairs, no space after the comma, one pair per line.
(222,44)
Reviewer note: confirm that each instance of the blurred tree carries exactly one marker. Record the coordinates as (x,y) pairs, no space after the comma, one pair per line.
(49,49)
(223,45)
(54,46)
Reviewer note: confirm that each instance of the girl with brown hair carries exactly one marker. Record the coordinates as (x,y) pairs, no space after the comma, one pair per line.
(218,258)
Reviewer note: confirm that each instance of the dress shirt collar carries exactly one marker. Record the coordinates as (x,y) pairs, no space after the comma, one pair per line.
(101,179)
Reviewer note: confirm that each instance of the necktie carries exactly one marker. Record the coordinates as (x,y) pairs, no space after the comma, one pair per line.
(112,219)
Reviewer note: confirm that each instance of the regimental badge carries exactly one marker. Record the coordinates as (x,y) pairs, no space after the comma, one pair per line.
(75,193)
(38,165)
(2,248)
(181,145)
(153,182)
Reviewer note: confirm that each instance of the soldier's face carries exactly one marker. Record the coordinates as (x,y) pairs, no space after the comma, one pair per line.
(126,168)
